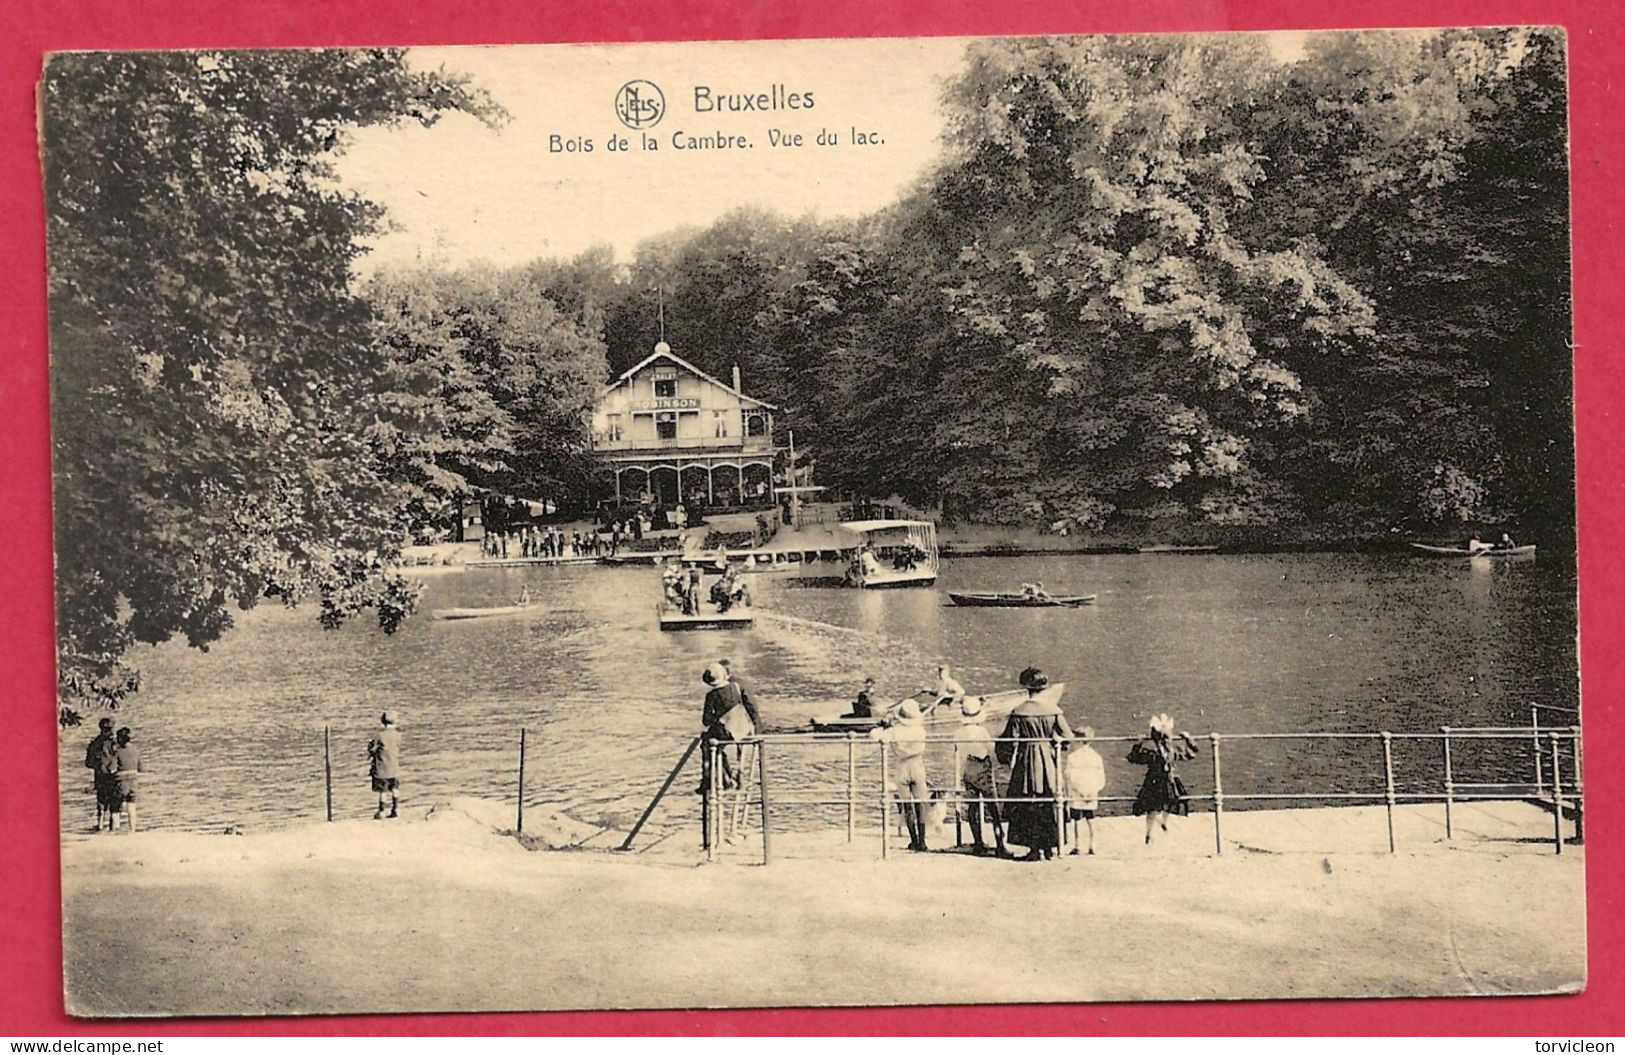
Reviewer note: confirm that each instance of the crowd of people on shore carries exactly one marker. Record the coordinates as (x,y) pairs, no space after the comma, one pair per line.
(550,543)
(1056,775)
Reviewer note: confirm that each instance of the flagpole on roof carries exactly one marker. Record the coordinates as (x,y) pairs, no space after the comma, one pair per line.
(662,310)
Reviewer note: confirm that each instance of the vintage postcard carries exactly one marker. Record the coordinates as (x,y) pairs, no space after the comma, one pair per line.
(894,521)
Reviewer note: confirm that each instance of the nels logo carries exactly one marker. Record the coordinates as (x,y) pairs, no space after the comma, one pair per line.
(640,104)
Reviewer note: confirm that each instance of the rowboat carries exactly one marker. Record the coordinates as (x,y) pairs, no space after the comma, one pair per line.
(994,705)
(1164,548)
(1462,551)
(480,613)
(1018,600)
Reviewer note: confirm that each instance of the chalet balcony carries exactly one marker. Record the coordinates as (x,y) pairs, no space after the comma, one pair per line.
(719,444)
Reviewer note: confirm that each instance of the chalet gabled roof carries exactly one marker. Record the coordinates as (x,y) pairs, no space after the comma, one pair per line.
(691,368)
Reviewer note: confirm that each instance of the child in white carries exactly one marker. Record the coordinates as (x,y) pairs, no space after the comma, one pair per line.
(1085,778)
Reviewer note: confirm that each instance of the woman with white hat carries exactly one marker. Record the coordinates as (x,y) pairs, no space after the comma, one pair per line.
(1162,792)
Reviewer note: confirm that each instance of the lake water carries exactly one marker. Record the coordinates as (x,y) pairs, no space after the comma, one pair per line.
(1232,644)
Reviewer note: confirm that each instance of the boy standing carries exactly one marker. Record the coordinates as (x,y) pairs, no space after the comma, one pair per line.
(906,734)
(976,775)
(99,760)
(1085,777)
(384,751)
(126,766)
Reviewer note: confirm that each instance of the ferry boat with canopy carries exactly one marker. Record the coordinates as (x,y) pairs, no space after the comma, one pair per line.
(891,553)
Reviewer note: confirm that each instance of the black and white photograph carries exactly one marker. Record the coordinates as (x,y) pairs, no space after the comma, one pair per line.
(867,522)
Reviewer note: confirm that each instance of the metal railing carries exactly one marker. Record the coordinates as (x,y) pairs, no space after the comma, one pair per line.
(725,810)
(790,774)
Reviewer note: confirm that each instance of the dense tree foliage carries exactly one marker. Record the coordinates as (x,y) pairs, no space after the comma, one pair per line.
(509,377)
(1174,278)
(219,400)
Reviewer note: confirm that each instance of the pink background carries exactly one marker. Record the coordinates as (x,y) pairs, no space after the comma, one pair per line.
(30,942)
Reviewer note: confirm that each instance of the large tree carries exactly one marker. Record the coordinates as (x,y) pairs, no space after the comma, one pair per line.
(518,377)
(218,395)
(1433,168)
(1099,270)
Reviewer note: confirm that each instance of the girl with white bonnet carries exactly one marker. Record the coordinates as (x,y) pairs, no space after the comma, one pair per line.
(1162,792)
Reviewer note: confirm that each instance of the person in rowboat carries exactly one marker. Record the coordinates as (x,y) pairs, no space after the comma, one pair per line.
(864,705)
(1478,545)
(947,691)
(1506,542)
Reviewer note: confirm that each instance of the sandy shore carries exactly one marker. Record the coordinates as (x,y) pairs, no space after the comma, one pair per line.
(440,911)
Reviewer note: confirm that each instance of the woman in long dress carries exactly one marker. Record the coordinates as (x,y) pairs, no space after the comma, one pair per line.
(1031,808)
(1162,792)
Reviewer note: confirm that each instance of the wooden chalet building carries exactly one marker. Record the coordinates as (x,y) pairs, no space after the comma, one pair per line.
(668,432)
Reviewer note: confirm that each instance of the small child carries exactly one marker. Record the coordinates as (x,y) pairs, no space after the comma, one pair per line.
(127,763)
(1085,777)
(384,752)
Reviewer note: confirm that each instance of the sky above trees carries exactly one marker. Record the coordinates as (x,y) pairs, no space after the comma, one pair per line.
(463,192)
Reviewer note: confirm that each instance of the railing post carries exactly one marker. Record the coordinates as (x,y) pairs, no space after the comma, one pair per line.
(1060,795)
(519,823)
(885,808)
(851,785)
(1578,783)
(1557,796)
(1449,786)
(327,764)
(954,783)
(761,775)
(711,802)
(1388,775)
(1534,725)
(1218,797)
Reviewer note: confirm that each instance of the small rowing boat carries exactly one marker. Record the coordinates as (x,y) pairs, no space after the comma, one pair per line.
(480,613)
(1019,600)
(1462,551)
(994,705)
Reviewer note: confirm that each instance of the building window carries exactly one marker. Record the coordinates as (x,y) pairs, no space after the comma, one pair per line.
(614,429)
(666,426)
(665,388)
(755,425)
(721,419)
